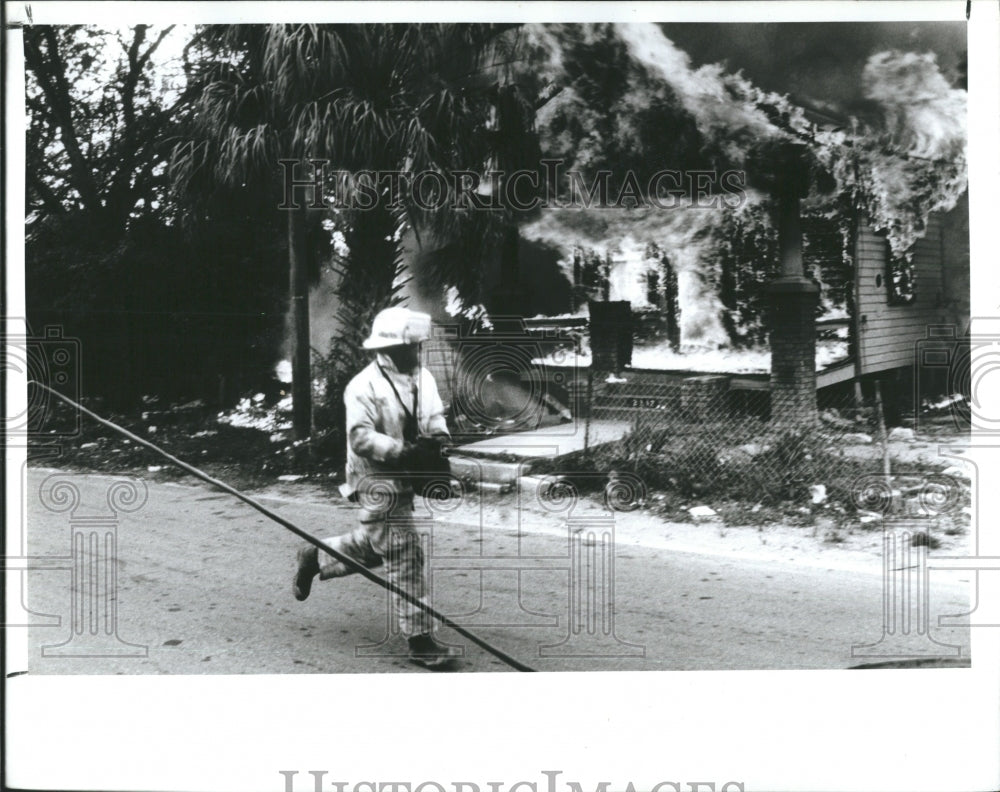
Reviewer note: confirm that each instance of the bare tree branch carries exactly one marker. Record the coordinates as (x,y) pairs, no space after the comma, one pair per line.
(50,72)
(144,58)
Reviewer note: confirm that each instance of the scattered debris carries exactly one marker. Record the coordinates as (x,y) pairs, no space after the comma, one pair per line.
(945,403)
(255,414)
(290,477)
(902,433)
(857,437)
(703,513)
(817,493)
(833,419)
(154,468)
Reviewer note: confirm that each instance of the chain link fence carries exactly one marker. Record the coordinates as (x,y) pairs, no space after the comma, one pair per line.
(700,441)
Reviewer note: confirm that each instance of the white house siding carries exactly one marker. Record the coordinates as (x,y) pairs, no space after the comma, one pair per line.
(888,334)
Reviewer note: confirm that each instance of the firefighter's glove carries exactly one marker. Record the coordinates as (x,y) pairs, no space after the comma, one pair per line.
(423,456)
(431,458)
(406,457)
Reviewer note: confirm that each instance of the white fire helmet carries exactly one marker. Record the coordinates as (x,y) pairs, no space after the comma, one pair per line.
(397,326)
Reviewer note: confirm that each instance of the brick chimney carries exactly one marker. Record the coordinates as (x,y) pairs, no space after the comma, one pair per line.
(792,303)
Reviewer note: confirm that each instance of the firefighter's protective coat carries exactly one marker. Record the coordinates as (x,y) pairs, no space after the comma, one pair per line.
(384,406)
(376,423)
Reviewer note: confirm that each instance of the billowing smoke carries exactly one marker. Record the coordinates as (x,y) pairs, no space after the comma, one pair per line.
(912,161)
(726,110)
(904,164)
(924,116)
(723,105)
(323,302)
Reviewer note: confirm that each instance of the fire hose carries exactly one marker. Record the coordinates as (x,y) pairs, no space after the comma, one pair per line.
(349,562)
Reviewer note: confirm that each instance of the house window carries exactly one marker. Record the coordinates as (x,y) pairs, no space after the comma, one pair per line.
(900,278)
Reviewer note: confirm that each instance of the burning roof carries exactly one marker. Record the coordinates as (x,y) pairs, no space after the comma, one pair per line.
(905,160)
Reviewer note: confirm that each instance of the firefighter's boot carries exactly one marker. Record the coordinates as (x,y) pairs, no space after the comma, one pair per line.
(308,568)
(427,652)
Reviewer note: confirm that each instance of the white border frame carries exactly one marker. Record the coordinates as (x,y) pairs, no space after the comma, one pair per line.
(823,730)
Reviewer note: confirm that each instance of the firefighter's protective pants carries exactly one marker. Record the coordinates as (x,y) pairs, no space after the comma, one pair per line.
(388,538)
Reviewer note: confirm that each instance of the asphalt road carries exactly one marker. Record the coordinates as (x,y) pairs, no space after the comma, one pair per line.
(201,584)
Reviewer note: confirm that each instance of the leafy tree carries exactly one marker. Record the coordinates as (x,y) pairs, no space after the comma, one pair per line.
(362,97)
(93,172)
(95,122)
(180,310)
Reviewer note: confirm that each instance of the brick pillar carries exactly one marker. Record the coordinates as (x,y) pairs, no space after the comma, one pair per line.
(704,398)
(793,301)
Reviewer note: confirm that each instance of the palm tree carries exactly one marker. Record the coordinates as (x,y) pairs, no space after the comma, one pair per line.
(362,97)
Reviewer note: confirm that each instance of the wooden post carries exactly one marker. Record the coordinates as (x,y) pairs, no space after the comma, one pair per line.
(301,350)
(883,435)
(636,442)
(590,410)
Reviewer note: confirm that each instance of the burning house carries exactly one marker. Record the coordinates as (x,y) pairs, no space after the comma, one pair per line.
(844,241)
(895,268)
